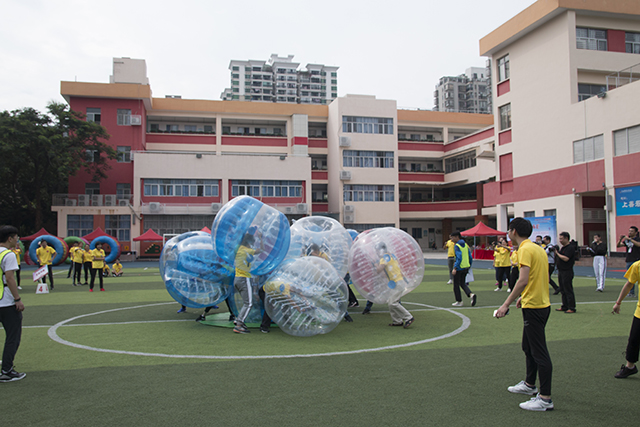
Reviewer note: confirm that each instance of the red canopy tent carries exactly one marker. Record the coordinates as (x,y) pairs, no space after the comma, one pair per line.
(206,229)
(148,236)
(95,234)
(42,232)
(478,231)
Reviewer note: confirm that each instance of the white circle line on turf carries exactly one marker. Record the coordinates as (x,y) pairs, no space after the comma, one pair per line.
(53,334)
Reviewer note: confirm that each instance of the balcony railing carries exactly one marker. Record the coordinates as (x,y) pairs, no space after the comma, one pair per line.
(89,200)
(623,77)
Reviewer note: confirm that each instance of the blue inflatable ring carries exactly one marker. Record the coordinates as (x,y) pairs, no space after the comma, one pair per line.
(113,244)
(58,245)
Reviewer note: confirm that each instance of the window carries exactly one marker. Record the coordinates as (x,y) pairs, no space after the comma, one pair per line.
(190,128)
(181,187)
(505,117)
(281,188)
(416,233)
(123,191)
(124,117)
(627,141)
(375,125)
(586,91)
(92,188)
(549,212)
(235,68)
(529,214)
(245,187)
(586,150)
(176,224)
(93,115)
(460,162)
(208,129)
(368,193)
(172,128)
(503,68)
(92,155)
(79,225)
(124,154)
(632,42)
(154,127)
(118,226)
(367,159)
(591,39)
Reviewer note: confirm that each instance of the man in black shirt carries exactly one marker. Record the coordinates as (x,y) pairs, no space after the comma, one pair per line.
(598,249)
(632,243)
(565,258)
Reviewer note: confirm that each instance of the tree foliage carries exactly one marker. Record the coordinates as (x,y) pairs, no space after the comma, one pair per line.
(38,154)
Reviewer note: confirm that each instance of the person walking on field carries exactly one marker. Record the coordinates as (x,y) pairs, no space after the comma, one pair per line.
(460,269)
(451,257)
(633,346)
(532,294)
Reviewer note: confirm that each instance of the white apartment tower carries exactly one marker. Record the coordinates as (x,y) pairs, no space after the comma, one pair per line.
(281,80)
(467,93)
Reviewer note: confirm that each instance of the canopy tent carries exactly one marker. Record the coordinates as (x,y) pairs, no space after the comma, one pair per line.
(42,232)
(482,230)
(148,236)
(95,234)
(206,229)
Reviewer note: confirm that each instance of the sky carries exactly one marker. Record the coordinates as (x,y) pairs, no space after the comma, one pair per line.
(391,49)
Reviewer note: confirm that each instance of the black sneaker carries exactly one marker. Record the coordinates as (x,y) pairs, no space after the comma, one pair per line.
(201,318)
(240,328)
(12,375)
(474,298)
(366,311)
(348,318)
(624,372)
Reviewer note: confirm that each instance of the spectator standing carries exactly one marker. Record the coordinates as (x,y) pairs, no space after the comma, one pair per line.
(565,258)
(45,254)
(632,243)
(18,252)
(97,264)
(599,251)
(78,261)
(633,346)
(551,257)
(501,262)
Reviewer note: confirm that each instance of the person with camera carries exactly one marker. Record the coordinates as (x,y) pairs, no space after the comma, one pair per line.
(551,256)
(565,258)
(632,243)
(598,248)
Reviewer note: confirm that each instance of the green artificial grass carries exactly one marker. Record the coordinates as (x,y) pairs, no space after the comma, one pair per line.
(456,381)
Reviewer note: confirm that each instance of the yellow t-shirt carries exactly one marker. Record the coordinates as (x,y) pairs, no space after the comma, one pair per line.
(243,260)
(277,287)
(391,267)
(633,275)
(451,251)
(97,253)
(78,255)
(45,255)
(117,267)
(536,293)
(87,255)
(17,251)
(514,258)
(501,257)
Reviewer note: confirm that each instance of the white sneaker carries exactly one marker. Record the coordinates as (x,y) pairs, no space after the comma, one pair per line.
(497,290)
(523,388)
(20,287)
(508,290)
(537,404)
(449,282)
(458,304)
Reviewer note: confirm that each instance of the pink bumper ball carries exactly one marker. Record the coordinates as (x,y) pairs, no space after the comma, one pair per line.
(385,264)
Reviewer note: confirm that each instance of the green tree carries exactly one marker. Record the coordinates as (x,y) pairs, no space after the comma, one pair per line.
(38,154)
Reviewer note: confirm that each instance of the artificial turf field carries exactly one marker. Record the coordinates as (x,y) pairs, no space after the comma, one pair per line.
(451,368)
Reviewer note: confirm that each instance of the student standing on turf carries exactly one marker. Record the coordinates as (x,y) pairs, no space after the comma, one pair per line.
(18,252)
(78,261)
(501,262)
(460,269)
(565,258)
(11,306)
(96,266)
(633,346)
(72,251)
(87,256)
(451,258)
(532,293)
(45,254)
(632,243)
(242,282)
(599,250)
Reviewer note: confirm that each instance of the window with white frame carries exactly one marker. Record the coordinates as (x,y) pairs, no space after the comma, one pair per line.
(503,68)
(586,91)
(79,225)
(123,154)
(374,125)
(368,193)
(627,141)
(588,149)
(118,226)
(505,117)
(460,162)
(94,115)
(281,189)
(367,159)
(245,188)
(181,187)
(632,42)
(591,39)
(124,117)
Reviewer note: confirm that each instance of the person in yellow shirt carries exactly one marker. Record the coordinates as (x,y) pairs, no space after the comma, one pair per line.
(532,293)
(388,263)
(106,271)
(78,261)
(242,282)
(72,251)
(87,256)
(501,262)
(45,254)
(117,268)
(18,252)
(451,257)
(633,346)
(96,266)
(515,269)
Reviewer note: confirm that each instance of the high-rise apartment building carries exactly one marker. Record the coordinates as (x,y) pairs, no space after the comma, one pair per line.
(467,93)
(281,80)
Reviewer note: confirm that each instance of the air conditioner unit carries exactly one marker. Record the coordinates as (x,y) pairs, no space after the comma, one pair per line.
(302,207)
(70,202)
(96,199)
(349,209)
(154,207)
(289,210)
(345,141)
(123,202)
(216,206)
(345,175)
(110,200)
(136,120)
(84,199)
(350,218)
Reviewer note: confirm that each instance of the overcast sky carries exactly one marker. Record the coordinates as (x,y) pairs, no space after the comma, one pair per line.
(391,49)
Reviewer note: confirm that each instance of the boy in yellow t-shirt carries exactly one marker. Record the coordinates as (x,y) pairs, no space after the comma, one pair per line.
(78,260)
(106,271)
(451,257)
(501,262)
(18,252)
(87,257)
(242,282)
(633,276)
(117,268)
(96,266)
(388,263)
(45,254)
